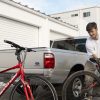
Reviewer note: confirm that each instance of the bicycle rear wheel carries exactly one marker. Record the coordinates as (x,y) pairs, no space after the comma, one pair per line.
(40,87)
(77,87)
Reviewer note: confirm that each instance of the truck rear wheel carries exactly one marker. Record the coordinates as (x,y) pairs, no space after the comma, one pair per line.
(74,95)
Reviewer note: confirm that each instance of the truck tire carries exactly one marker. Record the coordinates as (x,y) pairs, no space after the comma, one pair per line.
(74,95)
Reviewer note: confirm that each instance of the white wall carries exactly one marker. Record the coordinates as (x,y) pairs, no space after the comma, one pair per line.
(58,28)
(20,33)
(66,16)
(85,20)
(98,18)
(45,23)
(80,20)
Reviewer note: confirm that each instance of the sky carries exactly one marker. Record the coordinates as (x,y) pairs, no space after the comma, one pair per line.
(57,6)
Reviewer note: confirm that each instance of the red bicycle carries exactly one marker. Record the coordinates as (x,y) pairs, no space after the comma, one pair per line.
(30,88)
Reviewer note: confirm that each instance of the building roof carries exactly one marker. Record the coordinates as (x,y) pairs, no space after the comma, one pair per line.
(37,12)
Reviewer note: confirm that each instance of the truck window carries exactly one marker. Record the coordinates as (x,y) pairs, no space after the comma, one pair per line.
(71,44)
(80,45)
(64,44)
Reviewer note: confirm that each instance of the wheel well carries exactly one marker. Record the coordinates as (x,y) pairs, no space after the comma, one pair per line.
(76,68)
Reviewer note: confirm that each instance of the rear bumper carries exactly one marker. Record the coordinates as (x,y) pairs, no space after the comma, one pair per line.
(50,74)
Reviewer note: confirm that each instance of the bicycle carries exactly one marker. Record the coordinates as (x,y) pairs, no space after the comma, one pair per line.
(27,88)
(77,87)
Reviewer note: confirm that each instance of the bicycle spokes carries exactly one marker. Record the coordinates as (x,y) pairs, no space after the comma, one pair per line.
(39,87)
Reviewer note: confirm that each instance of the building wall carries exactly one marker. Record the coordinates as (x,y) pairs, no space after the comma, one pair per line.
(43,23)
(66,16)
(85,20)
(80,21)
(98,18)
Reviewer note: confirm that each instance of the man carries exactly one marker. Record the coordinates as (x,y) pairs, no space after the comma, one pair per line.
(92,47)
(93,42)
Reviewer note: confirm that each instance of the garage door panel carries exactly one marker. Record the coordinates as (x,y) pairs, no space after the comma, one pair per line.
(55,35)
(18,32)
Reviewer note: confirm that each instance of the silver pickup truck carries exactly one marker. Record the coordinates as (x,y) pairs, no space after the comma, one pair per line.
(64,57)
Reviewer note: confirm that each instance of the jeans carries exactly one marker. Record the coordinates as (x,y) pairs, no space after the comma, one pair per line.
(90,67)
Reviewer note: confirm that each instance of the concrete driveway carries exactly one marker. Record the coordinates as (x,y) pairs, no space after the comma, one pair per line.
(5,96)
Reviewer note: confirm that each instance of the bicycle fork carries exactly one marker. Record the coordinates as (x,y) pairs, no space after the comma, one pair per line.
(28,92)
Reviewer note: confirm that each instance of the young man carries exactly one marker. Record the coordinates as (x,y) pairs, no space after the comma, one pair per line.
(92,47)
(93,42)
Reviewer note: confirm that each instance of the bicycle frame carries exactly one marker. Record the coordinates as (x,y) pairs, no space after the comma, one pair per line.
(25,84)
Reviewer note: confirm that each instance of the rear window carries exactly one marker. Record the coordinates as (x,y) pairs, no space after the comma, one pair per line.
(70,44)
(80,45)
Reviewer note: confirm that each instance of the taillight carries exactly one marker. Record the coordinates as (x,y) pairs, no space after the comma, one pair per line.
(49,60)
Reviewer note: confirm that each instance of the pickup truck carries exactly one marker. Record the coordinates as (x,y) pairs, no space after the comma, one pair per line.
(64,57)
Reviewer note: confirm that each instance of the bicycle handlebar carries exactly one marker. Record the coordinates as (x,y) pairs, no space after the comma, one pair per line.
(18,46)
(13,44)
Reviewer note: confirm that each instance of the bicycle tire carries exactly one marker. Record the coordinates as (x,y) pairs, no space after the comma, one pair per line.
(44,96)
(71,79)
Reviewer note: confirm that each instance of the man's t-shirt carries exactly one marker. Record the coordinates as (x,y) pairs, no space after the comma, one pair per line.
(93,47)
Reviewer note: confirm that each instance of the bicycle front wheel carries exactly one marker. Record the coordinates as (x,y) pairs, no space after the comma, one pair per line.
(80,86)
(41,88)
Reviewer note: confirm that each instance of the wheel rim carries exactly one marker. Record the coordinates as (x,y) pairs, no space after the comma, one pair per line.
(76,87)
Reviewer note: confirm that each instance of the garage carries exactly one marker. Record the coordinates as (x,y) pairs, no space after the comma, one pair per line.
(19,32)
(57,35)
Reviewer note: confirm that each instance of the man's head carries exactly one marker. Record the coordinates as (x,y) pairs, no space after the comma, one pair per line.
(92,29)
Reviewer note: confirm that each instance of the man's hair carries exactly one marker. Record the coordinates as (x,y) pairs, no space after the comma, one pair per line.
(90,26)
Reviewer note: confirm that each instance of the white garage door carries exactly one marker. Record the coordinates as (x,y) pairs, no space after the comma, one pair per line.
(55,35)
(18,32)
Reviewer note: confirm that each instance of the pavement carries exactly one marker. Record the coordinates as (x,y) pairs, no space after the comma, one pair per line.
(5,96)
